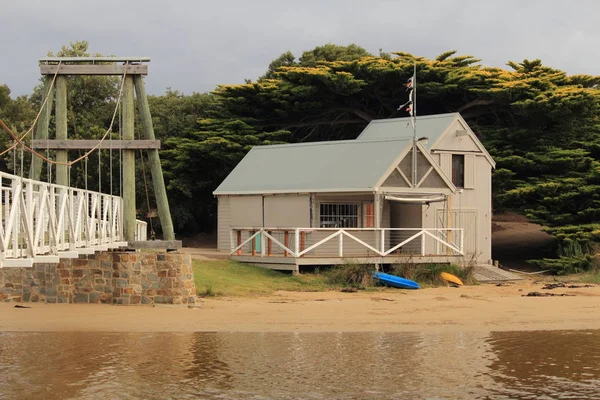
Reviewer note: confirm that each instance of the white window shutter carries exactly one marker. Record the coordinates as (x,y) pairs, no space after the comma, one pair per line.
(446,164)
(469,171)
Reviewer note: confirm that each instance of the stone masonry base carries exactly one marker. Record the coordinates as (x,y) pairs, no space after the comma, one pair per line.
(107,277)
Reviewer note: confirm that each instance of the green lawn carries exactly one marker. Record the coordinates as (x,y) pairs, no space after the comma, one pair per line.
(230,278)
(589,277)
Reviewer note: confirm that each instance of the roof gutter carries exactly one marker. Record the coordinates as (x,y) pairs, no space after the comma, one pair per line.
(284,191)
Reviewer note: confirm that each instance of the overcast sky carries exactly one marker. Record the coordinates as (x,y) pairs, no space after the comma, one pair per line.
(195,45)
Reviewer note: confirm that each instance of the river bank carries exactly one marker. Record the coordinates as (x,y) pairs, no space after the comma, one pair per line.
(471,308)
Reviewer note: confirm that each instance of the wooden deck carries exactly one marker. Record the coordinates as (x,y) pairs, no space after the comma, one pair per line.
(291,248)
(296,263)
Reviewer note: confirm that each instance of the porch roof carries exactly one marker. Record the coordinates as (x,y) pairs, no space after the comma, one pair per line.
(336,166)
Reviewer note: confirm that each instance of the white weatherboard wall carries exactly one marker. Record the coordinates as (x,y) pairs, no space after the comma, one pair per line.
(471,209)
(223,223)
(276,211)
(287,211)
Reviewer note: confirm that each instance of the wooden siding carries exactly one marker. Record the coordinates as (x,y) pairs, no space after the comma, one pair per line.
(287,211)
(223,223)
(457,139)
(470,171)
(478,198)
(246,211)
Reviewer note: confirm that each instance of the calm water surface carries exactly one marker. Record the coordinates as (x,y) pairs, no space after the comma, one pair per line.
(506,365)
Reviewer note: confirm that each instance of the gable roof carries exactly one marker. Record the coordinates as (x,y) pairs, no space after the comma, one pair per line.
(433,127)
(337,166)
(430,126)
(340,166)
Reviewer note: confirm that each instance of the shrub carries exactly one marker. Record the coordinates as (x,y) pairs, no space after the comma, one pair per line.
(574,257)
(351,275)
(565,265)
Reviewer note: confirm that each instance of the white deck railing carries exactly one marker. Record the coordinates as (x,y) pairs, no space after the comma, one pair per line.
(41,222)
(347,242)
(141,231)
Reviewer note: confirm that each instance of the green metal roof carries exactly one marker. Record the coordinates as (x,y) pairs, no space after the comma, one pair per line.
(348,165)
(430,126)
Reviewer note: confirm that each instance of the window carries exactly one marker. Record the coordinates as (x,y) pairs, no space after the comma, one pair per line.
(458,170)
(337,215)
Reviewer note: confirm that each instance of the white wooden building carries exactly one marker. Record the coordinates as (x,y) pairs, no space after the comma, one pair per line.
(332,202)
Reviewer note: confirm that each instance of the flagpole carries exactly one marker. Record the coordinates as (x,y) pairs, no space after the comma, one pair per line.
(414,124)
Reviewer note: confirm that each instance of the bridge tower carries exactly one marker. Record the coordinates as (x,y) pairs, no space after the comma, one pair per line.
(132,69)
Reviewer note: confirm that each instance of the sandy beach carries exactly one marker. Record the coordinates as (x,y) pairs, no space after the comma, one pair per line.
(473,308)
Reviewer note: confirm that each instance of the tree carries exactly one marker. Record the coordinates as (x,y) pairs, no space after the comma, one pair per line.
(332,52)
(336,99)
(197,162)
(175,114)
(18,114)
(285,60)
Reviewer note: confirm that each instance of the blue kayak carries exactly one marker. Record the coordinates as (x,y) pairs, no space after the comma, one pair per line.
(395,281)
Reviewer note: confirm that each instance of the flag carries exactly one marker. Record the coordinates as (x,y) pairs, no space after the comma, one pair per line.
(408,106)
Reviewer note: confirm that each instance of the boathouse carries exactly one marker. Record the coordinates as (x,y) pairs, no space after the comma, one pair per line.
(383,197)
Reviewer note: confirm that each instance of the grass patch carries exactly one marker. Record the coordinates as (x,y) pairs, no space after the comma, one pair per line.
(429,274)
(591,277)
(357,276)
(230,278)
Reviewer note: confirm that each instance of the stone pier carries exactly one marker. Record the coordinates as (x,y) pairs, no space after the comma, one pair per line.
(127,278)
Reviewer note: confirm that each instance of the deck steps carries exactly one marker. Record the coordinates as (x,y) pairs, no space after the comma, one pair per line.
(489,274)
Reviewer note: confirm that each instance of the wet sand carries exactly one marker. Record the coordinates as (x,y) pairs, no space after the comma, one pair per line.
(474,308)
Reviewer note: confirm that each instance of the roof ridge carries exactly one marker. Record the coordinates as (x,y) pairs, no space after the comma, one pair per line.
(329,142)
(386,120)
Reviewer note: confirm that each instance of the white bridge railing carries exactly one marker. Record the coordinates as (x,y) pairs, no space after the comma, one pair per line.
(41,222)
(346,242)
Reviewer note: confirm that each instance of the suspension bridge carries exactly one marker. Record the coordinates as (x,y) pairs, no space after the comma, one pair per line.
(43,221)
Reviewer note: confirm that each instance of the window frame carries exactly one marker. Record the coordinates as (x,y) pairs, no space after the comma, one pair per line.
(458,177)
(336,212)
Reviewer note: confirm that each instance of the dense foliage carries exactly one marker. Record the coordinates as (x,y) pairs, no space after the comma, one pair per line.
(540,125)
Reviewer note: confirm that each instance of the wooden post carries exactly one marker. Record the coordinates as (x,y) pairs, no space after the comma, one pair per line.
(269,244)
(302,241)
(160,192)
(239,242)
(377,207)
(41,130)
(61,129)
(253,243)
(286,242)
(449,223)
(128,162)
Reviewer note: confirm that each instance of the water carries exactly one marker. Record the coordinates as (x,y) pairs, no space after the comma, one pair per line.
(506,365)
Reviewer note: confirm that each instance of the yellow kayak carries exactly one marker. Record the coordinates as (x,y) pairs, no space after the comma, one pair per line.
(449,278)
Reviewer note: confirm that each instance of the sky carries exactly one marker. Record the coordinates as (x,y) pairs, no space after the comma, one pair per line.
(196,45)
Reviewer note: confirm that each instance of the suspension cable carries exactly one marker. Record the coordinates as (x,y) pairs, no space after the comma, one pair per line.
(100,171)
(47,96)
(30,150)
